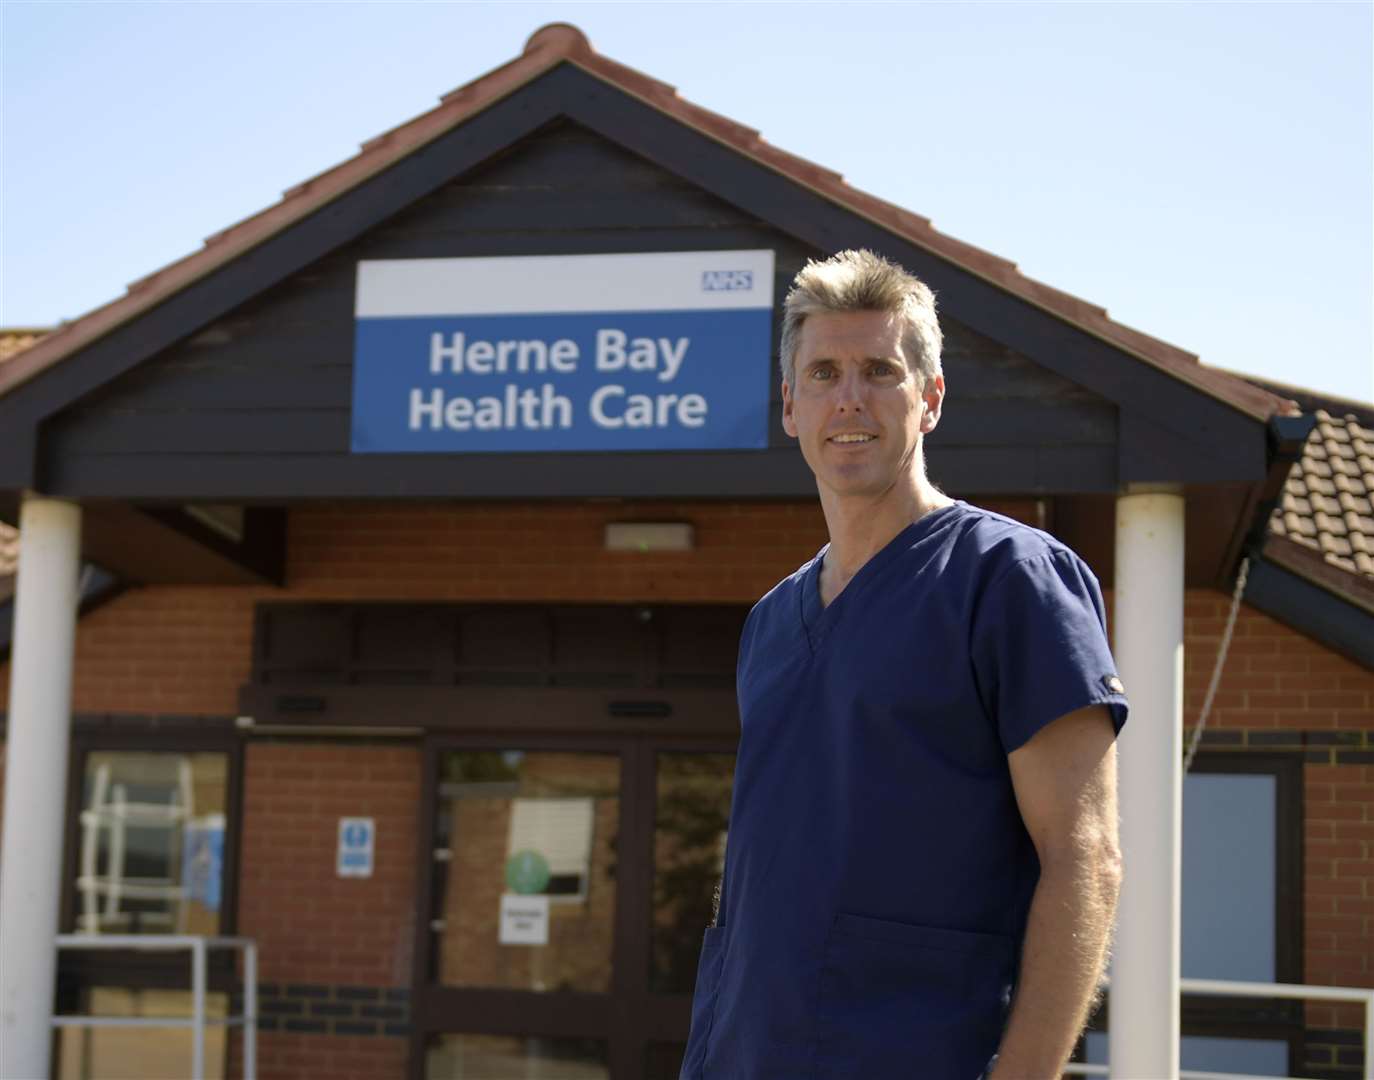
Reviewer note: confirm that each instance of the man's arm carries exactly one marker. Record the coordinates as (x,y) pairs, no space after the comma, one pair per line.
(1065,782)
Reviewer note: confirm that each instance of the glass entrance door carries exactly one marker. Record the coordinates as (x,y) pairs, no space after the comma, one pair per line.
(569,883)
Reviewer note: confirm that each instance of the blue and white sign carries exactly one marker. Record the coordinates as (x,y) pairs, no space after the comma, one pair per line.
(357,839)
(666,351)
(202,859)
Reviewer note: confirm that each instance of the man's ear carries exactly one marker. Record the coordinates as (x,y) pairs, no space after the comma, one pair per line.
(934,397)
(789,422)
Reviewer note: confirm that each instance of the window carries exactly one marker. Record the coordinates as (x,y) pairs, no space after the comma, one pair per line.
(151,844)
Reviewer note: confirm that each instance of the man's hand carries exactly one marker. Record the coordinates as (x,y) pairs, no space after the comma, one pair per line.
(1065,783)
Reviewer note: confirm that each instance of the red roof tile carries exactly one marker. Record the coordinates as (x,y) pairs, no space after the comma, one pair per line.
(14,340)
(1328,499)
(561,43)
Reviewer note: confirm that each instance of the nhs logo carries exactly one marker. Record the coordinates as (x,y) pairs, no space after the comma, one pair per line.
(727,280)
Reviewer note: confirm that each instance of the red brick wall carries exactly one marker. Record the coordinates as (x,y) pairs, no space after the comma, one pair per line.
(1339,887)
(311,925)
(292,1056)
(1274,677)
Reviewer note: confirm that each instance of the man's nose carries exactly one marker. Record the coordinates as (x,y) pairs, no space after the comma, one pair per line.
(851,392)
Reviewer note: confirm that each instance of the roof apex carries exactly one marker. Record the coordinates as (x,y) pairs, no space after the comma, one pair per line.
(559,43)
(562,38)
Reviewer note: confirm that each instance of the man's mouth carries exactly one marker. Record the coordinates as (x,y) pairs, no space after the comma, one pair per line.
(853,437)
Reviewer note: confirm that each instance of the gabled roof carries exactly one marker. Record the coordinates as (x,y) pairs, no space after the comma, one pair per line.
(558,44)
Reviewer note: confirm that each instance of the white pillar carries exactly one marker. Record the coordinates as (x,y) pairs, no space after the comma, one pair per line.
(36,780)
(1144,1017)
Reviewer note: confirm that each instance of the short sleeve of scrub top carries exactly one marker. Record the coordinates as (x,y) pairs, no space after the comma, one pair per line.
(1039,647)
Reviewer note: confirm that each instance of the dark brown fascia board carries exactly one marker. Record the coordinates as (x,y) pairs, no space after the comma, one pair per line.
(1286,437)
(1297,597)
(1309,565)
(165,545)
(260,554)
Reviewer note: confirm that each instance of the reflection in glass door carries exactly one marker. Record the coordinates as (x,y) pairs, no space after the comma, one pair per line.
(691,820)
(526,891)
(692,811)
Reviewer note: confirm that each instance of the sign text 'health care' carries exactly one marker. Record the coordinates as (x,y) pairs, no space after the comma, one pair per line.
(549,353)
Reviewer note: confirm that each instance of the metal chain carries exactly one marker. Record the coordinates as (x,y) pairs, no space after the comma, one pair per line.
(1191,752)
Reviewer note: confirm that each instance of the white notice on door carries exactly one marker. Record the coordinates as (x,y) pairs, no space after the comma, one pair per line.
(524,920)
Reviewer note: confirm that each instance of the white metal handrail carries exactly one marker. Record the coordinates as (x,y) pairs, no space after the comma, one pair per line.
(1284,991)
(199,947)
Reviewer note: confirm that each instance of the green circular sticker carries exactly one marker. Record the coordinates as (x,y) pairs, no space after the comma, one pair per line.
(527,872)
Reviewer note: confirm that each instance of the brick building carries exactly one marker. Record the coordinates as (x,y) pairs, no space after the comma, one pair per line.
(280,629)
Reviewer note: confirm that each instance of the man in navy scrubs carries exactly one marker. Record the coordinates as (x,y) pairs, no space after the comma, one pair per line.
(922,866)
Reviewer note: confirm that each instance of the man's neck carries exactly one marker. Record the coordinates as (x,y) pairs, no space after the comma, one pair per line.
(861,527)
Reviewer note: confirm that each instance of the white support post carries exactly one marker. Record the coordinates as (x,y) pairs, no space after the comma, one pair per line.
(36,780)
(1144,1010)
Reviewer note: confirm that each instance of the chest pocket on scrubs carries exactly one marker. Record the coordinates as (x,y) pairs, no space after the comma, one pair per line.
(704,1001)
(898,1001)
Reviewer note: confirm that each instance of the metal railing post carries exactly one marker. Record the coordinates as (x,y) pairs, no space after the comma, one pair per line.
(198,1009)
(250,1011)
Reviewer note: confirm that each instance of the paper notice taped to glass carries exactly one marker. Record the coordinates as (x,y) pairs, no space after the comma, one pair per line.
(524,920)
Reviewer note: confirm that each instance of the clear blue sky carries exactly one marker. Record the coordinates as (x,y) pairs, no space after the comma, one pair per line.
(1204,171)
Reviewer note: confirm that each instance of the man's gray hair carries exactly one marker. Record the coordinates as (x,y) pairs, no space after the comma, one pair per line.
(863,281)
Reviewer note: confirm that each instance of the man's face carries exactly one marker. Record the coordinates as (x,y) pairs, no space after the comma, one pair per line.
(858,409)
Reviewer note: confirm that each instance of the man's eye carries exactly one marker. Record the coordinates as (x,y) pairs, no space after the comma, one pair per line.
(883,369)
(821,373)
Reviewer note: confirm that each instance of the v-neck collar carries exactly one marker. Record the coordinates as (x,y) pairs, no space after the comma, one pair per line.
(817,619)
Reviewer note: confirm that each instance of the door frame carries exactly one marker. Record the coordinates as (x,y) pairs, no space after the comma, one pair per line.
(629,1016)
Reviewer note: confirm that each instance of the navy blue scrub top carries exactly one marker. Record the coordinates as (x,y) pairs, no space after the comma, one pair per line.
(877,873)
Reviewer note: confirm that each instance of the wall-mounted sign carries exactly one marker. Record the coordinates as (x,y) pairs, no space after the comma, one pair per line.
(357,840)
(667,351)
(202,859)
